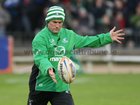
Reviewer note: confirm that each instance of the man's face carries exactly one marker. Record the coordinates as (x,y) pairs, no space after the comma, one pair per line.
(55,25)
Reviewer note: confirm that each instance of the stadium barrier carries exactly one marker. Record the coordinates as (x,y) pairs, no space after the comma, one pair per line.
(6,54)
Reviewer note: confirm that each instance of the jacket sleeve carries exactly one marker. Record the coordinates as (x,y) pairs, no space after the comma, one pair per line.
(92,41)
(40,56)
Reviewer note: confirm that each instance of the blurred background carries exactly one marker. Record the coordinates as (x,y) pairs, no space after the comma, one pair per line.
(20,20)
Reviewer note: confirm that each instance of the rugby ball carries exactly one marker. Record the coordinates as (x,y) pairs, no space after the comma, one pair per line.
(66,70)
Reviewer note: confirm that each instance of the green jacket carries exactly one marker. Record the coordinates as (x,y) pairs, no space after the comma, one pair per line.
(48,48)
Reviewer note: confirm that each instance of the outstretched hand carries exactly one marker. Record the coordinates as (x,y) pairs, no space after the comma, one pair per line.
(52,75)
(117,35)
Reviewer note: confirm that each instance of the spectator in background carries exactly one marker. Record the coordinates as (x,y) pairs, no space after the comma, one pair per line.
(31,16)
(131,5)
(83,23)
(98,11)
(135,22)
(25,16)
(119,20)
(14,9)
(104,24)
(119,6)
(120,13)
(4,20)
(54,2)
(135,19)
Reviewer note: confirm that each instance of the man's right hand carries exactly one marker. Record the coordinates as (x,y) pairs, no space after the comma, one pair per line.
(52,75)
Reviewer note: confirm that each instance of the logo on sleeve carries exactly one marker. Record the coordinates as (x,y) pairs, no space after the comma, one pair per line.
(65,40)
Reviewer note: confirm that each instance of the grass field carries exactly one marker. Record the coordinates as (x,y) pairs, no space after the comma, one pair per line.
(101,89)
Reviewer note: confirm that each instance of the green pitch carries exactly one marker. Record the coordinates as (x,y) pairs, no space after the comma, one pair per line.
(107,89)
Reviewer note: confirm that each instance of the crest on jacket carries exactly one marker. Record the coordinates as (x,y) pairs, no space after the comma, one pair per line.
(59,51)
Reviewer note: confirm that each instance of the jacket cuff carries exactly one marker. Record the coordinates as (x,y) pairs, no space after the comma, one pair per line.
(46,71)
(109,36)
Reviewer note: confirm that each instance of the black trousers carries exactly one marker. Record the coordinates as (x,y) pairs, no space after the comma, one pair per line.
(43,97)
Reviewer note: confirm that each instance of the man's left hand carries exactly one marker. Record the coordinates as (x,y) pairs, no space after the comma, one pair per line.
(117,35)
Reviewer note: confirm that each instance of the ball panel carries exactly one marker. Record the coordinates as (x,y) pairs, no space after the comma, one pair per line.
(66,69)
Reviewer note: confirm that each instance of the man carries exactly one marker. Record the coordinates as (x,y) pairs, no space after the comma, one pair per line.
(49,45)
